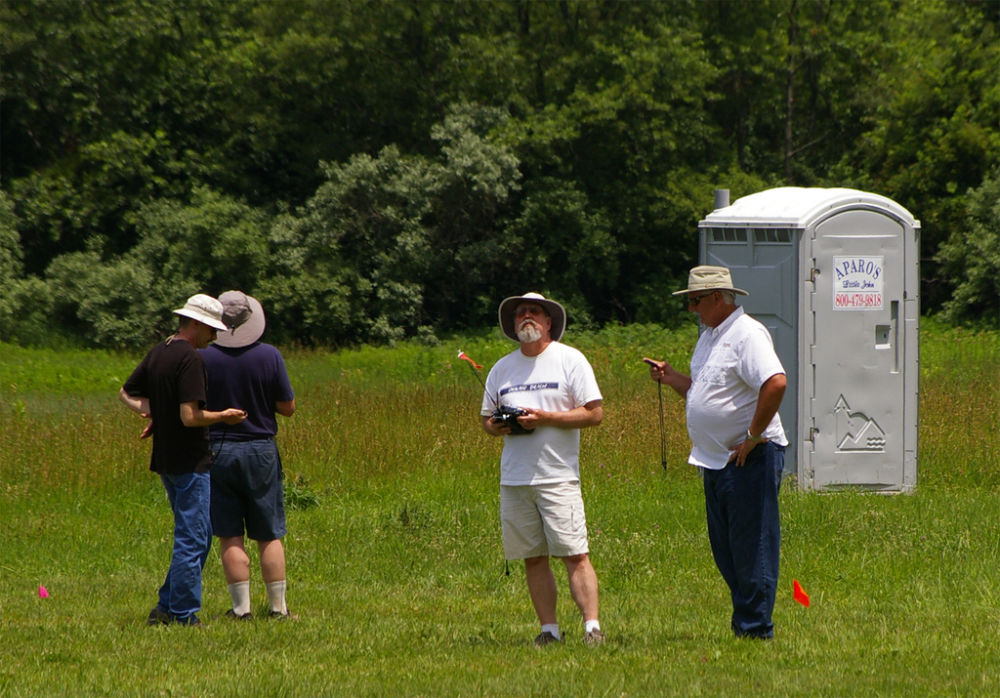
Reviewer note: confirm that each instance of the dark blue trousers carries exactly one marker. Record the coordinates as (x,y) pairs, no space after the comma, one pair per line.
(745,532)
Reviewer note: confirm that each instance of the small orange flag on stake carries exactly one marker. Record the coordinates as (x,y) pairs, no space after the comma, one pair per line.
(43,593)
(797,592)
(465,357)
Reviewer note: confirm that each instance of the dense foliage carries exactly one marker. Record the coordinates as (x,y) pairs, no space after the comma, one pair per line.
(384,169)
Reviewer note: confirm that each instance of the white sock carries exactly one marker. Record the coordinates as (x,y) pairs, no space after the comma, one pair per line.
(276,595)
(552,628)
(240,594)
(591,625)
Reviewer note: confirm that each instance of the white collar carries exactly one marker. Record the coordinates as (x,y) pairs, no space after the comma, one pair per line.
(728,322)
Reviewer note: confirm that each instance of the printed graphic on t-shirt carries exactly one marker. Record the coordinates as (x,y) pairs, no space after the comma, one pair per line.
(529,387)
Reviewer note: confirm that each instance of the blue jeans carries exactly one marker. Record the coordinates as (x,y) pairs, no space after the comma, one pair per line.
(745,532)
(189,495)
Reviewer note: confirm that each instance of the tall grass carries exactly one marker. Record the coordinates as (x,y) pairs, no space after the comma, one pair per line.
(959,406)
(395,560)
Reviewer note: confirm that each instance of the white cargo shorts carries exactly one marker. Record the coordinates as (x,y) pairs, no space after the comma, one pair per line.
(543,520)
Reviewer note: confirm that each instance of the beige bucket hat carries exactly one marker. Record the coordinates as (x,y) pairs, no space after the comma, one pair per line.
(204,309)
(707,278)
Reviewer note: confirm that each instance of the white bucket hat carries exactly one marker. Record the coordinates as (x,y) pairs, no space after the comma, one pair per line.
(244,318)
(556,312)
(204,309)
(706,278)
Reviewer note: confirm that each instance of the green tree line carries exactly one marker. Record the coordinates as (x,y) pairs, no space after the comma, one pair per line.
(376,170)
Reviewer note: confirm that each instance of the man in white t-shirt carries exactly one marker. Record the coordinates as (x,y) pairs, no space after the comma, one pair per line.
(733,394)
(541,508)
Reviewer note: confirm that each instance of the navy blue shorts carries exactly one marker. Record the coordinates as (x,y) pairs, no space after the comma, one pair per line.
(247,494)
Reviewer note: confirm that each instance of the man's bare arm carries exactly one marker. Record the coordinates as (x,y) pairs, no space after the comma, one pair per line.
(589,415)
(194,416)
(285,409)
(139,405)
(768,402)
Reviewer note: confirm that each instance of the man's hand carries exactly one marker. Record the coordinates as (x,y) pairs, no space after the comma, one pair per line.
(148,431)
(535,418)
(662,372)
(741,450)
(495,427)
(232,416)
(656,368)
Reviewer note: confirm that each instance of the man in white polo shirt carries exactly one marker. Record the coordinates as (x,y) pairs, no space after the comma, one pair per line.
(733,394)
(541,508)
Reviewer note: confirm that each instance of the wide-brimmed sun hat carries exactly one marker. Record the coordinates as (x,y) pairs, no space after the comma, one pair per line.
(244,317)
(707,278)
(509,305)
(204,309)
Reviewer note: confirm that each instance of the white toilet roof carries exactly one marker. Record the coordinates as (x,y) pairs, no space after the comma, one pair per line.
(797,207)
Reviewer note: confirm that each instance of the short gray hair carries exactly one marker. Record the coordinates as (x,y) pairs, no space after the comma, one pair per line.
(728,297)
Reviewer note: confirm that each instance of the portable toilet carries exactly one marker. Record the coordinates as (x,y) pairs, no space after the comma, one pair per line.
(834,275)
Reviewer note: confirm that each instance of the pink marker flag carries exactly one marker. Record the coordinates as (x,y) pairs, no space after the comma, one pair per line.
(799,594)
(43,593)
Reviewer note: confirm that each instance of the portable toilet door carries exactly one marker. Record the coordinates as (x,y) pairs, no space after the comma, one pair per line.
(863,317)
(837,271)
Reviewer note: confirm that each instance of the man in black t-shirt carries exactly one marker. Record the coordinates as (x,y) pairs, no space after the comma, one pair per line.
(169,388)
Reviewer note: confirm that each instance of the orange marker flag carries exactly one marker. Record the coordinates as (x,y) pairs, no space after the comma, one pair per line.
(465,357)
(43,593)
(797,592)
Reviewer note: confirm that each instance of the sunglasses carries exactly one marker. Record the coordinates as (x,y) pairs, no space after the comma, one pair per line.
(692,300)
(529,310)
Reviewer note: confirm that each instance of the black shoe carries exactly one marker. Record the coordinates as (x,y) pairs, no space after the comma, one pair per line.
(191,620)
(159,617)
(287,615)
(231,614)
(547,638)
(755,636)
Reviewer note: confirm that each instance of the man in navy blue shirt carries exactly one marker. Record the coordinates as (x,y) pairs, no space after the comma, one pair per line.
(247,492)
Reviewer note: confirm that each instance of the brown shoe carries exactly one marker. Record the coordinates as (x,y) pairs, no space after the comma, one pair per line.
(287,615)
(594,638)
(231,614)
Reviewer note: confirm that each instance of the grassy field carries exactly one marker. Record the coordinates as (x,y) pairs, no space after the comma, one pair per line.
(394,551)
